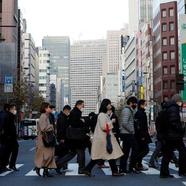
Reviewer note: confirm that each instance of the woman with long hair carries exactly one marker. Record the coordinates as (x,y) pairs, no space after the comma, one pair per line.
(99,150)
(45,157)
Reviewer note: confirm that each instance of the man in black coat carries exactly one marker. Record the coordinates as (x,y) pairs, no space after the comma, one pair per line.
(173,137)
(76,121)
(141,134)
(4,149)
(10,137)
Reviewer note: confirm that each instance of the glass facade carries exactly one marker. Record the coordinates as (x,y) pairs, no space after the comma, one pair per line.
(59,48)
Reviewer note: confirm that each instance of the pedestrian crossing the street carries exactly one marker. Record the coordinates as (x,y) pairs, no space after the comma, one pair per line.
(73,171)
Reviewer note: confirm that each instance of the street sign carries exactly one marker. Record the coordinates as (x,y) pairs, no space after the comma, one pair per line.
(8,84)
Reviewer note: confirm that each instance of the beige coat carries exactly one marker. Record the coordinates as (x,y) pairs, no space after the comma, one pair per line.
(99,140)
(45,157)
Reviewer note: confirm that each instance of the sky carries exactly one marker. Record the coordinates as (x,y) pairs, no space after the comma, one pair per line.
(78,19)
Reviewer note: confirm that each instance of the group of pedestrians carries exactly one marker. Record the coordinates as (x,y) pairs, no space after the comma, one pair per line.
(8,138)
(123,142)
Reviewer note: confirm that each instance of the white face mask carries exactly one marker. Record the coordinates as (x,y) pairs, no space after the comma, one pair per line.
(82,109)
(14,112)
(179,104)
(53,112)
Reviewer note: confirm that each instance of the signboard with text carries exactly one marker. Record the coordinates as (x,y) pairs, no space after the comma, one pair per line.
(8,84)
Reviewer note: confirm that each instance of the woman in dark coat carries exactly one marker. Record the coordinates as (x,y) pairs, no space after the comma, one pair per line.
(142,133)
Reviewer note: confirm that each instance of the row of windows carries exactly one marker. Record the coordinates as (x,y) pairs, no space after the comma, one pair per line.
(171,41)
(172,55)
(166,70)
(165,13)
(165,27)
(166,85)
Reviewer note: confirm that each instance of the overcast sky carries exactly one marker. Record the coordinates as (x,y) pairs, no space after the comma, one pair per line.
(79,19)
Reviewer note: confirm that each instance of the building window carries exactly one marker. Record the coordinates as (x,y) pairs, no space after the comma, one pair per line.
(165,56)
(172,84)
(164,27)
(171,26)
(173,70)
(165,84)
(164,13)
(164,41)
(165,70)
(172,55)
(172,41)
(171,12)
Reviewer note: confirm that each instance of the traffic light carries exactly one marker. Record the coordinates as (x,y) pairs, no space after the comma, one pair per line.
(180,81)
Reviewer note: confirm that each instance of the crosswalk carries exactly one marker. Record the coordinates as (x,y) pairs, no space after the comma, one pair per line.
(73,171)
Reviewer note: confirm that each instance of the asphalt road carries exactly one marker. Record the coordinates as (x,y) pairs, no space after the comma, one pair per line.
(27,177)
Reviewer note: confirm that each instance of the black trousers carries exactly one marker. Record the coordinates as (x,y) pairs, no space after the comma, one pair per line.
(13,153)
(168,146)
(112,164)
(129,144)
(143,150)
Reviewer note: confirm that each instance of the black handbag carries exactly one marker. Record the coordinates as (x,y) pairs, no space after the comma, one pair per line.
(75,133)
(49,139)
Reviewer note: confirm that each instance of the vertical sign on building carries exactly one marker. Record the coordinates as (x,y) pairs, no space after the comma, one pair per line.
(8,84)
(183,51)
(182,20)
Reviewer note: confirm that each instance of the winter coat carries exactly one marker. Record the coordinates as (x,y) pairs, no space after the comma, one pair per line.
(76,121)
(141,129)
(127,121)
(62,124)
(175,128)
(99,140)
(45,157)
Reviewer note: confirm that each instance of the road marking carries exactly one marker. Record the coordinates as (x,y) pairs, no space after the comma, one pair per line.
(184,183)
(32,149)
(150,171)
(107,171)
(33,173)
(8,172)
(74,167)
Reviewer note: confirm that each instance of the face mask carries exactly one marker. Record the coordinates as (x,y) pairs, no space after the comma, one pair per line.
(134,107)
(14,112)
(53,112)
(82,109)
(179,104)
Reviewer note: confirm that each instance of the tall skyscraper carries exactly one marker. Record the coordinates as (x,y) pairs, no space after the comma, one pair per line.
(44,73)
(165,49)
(59,48)
(145,11)
(133,16)
(8,46)
(86,67)
(30,65)
(114,49)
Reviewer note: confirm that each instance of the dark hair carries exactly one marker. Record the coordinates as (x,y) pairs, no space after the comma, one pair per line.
(141,102)
(66,107)
(44,105)
(132,100)
(12,105)
(79,102)
(52,106)
(104,104)
(113,109)
(6,107)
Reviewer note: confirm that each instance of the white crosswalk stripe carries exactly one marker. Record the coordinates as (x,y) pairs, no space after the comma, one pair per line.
(73,167)
(8,172)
